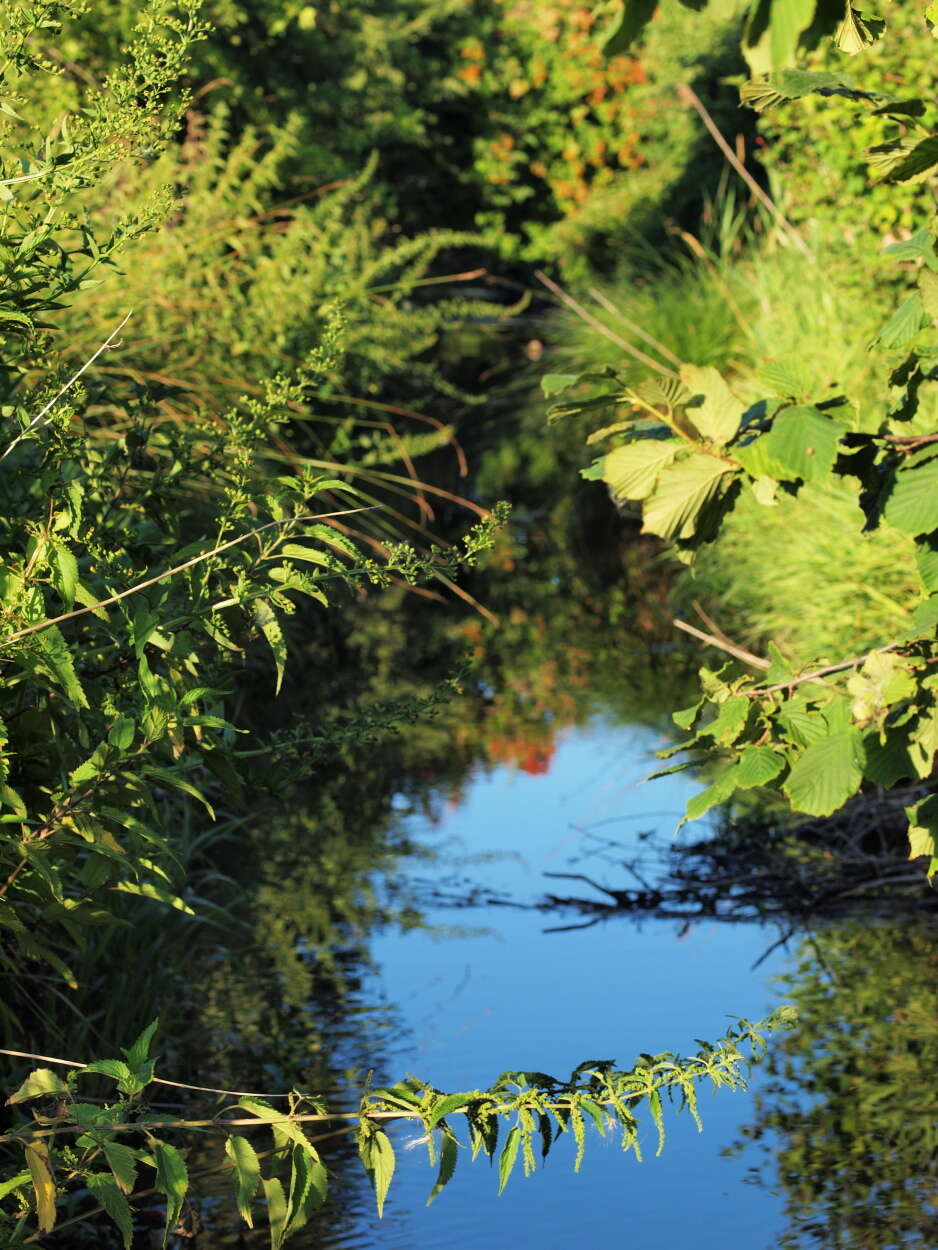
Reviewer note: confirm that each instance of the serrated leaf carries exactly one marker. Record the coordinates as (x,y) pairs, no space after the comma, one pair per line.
(378,1157)
(105,1191)
(826,774)
(19,1181)
(855,32)
(683,490)
(39,1162)
(508,1157)
(247,1174)
(276,1210)
(729,721)
(903,327)
(923,832)
(804,442)
(756,766)
(449,1148)
(267,622)
(172,1180)
(41,1083)
(632,471)
(787,375)
(65,573)
(447,1105)
(912,505)
(905,158)
(123,1163)
(718,415)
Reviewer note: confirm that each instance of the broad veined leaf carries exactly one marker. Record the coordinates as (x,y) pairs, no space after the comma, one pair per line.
(928,289)
(857,32)
(887,762)
(729,721)
(714,409)
(912,505)
(446,1106)
(926,561)
(631,471)
(756,766)
(905,158)
(684,489)
(903,327)
(826,774)
(65,573)
(104,1190)
(790,84)
(557,383)
(787,375)
(804,442)
(923,831)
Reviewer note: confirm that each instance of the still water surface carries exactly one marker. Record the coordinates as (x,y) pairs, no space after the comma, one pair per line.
(485,988)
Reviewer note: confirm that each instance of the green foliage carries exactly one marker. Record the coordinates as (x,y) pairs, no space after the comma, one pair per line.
(688,447)
(853,1148)
(67,1149)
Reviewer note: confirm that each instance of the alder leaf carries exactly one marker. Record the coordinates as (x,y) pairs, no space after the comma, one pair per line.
(683,491)
(632,471)
(826,774)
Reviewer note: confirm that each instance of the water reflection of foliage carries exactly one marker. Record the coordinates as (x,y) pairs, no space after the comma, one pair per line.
(847,1118)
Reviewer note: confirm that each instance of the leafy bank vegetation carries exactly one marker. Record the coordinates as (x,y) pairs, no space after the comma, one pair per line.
(228,339)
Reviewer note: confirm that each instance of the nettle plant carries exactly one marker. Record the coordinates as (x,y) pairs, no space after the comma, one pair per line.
(813,731)
(114,1150)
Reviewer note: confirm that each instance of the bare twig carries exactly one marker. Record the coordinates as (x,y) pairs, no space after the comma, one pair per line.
(610,307)
(689,97)
(747,657)
(585,315)
(68,385)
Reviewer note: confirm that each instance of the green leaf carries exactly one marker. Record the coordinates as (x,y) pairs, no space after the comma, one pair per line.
(172,1180)
(787,375)
(447,1105)
(683,491)
(121,733)
(116,1069)
(556,383)
(105,1191)
(729,721)
(65,575)
(148,889)
(247,1174)
(175,781)
(14,1182)
(803,441)
(855,32)
(928,289)
(632,471)
(903,327)
(41,1083)
(757,766)
(276,1211)
(714,409)
(826,774)
(912,505)
(923,831)
(56,658)
(508,1157)
(378,1158)
(448,1152)
(123,1163)
(139,1051)
(267,622)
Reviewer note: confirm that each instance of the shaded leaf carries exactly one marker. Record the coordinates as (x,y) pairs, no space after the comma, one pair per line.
(826,774)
